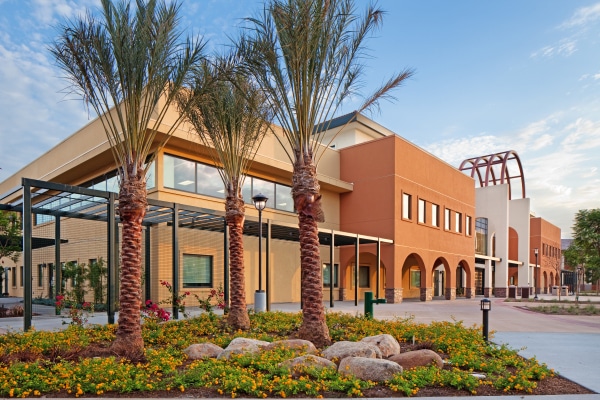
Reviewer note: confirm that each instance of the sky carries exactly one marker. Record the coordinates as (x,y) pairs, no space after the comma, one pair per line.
(490,76)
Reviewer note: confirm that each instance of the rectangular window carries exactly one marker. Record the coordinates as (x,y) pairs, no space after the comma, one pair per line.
(14,276)
(209,181)
(415,278)
(406,206)
(421,211)
(283,198)
(264,187)
(481,235)
(41,268)
(179,174)
(363,277)
(458,222)
(22,275)
(468,225)
(327,275)
(197,271)
(435,215)
(447,222)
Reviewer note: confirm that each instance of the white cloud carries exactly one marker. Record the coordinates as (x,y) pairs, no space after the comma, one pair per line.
(564,48)
(583,16)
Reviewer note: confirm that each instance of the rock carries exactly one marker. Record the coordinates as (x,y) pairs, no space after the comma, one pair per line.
(298,364)
(418,358)
(203,350)
(386,343)
(369,369)
(340,350)
(242,346)
(296,344)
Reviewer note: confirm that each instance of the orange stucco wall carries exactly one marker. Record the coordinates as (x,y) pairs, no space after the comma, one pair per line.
(381,171)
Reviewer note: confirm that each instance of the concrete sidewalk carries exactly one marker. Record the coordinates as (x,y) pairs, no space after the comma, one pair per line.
(568,344)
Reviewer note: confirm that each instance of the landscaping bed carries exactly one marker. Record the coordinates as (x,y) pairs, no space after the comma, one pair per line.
(77,362)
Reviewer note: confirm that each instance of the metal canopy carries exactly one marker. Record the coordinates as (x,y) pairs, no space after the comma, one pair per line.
(55,199)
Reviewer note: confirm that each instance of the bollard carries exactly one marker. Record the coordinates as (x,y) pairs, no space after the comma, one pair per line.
(486,306)
(369,301)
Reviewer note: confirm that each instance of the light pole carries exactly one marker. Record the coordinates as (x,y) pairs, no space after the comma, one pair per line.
(260,298)
(486,306)
(535,272)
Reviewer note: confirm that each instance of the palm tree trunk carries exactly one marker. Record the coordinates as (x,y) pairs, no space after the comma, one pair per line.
(234,214)
(132,209)
(307,201)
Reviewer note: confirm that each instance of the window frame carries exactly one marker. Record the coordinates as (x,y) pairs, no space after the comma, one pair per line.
(435,215)
(198,285)
(336,274)
(421,211)
(406,206)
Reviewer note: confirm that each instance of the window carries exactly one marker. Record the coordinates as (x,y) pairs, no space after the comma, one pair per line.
(327,272)
(363,277)
(447,222)
(415,278)
(209,181)
(197,271)
(41,268)
(14,276)
(179,174)
(283,196)
(435,215)
(406,206)
(191,176)
(22,276)
(468,225)
(421,211)
(458,222)
(481,235)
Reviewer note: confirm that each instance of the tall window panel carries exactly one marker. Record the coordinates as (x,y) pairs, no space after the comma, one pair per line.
(406,206)
(421,210)
(458,222)
(435,215)
(447,220)
(468,225)
(327,272)
(197,271)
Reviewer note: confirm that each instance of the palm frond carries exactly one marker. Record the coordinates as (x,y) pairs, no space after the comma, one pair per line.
(128,67)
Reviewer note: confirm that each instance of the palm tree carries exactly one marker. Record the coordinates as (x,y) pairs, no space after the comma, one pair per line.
(129,66)
(230,116)
(306,55)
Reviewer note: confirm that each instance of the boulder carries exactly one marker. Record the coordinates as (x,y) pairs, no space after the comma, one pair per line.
(386,343)
(242,346)
(295,344)
(418,358)
(203,350)
(340,350)
(369,369)
(298,364)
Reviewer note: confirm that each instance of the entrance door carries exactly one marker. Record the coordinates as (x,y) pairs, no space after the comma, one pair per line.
(479,279)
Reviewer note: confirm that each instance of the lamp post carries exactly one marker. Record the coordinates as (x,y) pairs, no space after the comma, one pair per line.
(486,306)
(260,298)
(535,278)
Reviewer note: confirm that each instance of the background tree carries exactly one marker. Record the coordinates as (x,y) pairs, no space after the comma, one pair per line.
(230,116)
(306,55)
(10,240)
(586,236)
(129,66)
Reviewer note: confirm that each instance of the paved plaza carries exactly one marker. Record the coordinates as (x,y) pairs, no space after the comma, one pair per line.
(568,344)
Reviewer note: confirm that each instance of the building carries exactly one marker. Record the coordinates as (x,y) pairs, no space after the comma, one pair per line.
(400,222)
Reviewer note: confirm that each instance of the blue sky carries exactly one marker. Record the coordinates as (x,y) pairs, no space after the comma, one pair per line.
(491,76)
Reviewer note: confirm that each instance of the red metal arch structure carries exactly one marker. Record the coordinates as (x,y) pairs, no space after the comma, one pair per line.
(493,170)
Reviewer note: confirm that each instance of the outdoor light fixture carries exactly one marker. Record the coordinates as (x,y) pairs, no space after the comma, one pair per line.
(486,306)
(535,271)
(260,298)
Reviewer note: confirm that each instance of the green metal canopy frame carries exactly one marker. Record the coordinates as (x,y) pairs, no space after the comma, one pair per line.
(61,200)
